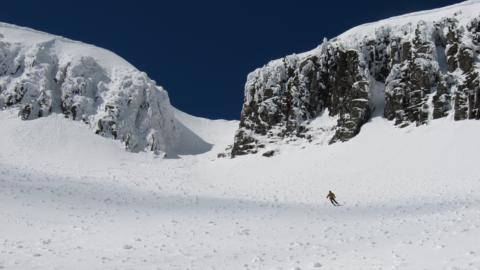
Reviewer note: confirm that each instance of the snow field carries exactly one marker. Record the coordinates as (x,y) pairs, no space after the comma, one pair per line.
(409,196)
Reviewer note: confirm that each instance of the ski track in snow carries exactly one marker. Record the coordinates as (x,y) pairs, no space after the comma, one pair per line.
(72,200)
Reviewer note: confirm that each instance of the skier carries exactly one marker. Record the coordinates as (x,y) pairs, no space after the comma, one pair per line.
(331,196)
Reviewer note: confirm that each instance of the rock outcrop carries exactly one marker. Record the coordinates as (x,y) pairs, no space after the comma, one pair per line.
(413,68)
(42,74)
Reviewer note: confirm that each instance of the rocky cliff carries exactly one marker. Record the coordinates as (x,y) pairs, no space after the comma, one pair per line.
(41,74)
(409,69)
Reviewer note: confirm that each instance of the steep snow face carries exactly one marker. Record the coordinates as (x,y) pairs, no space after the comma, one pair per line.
(43,74)
(415,68)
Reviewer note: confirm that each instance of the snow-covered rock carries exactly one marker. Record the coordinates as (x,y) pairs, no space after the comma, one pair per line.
(410,69)
(41,74)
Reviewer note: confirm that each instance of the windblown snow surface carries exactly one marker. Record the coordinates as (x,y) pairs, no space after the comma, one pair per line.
(70,199)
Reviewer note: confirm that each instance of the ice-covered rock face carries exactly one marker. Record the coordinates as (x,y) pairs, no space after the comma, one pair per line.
(409,69)
(42,74)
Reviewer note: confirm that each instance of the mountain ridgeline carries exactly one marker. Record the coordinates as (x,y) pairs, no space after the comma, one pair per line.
(410,70)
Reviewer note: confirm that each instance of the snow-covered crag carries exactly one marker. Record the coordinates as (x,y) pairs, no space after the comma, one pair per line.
(42,74)
(409,69)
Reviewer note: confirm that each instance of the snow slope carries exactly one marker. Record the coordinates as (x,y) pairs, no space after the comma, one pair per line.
(73,200)
(463,12)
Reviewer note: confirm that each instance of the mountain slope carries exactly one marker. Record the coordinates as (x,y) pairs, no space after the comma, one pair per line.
(74,200)
(41,74)
(409,69)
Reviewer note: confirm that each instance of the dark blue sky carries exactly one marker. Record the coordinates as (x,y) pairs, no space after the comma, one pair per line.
(202,51)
